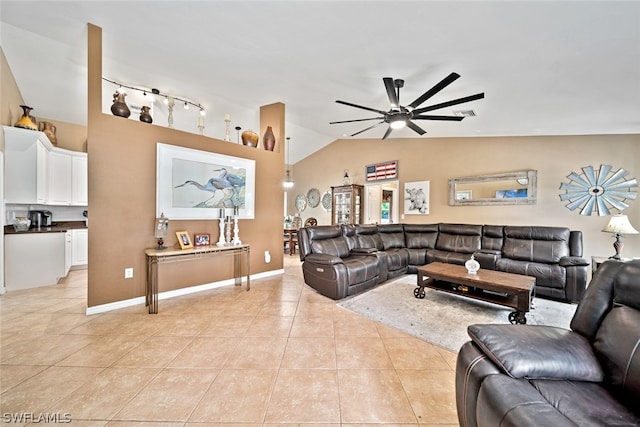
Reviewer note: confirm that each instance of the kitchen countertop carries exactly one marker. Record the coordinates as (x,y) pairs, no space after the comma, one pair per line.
(56,227)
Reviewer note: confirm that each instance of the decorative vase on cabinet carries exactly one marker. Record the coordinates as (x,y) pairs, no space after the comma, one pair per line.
(25,121)
(49,129)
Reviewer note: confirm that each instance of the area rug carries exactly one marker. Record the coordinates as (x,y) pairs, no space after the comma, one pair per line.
(442,318)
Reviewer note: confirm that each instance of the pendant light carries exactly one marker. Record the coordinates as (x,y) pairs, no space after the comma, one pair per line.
(288,182)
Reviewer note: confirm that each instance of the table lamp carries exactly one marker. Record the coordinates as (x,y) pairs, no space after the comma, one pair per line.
(162,228)
(619,225)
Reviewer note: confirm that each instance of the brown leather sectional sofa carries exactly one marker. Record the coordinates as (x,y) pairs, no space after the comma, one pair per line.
(526,375)
(342,260)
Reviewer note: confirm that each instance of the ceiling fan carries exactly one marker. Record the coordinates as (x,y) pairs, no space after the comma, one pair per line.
(400,116)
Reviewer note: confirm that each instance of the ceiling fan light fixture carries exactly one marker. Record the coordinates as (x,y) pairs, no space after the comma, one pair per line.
(398,123)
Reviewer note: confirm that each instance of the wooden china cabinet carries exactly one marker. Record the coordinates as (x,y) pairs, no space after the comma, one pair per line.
(347,204)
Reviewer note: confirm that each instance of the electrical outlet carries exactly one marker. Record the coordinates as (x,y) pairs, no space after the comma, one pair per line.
(267,257)
(128,273)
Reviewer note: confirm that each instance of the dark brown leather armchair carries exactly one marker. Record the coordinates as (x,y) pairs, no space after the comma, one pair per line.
(526,375)
(333,264)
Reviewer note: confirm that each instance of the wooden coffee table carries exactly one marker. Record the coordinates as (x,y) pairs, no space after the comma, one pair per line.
(511,290)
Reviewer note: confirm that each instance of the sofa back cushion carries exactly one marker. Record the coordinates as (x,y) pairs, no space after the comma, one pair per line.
(349,232)
(460,238)
(420,236)
(368,236)
(328,239)
(391,235)
(536,244)
(492,237)
(616,342)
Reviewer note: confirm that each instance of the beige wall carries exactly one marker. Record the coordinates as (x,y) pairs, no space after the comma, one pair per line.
(69,136)
(122,170)
(438,159)
(10,110)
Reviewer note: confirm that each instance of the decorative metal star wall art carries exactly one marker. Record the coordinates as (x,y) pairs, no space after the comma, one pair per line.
(598,190)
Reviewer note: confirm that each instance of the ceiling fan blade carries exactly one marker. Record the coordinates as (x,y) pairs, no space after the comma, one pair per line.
(361,107)
(387,133)
(447,118)
(416,128)
(449,103)
(437,88)
(357,120)
(370,127)
(391,92)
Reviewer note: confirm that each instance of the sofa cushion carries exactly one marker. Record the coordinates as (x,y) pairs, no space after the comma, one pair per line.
(460,238)
(459,258)
(361,269)
(586,403)
(538,244)
(617,341)
(547,275)
(368,236)
(391,235)
(397,258)
(492,237)
(336,246)
(526,351)
(420,236)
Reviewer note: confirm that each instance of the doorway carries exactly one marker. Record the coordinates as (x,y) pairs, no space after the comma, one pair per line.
(382,203)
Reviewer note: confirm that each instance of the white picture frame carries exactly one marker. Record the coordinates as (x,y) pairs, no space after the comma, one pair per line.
(196,184)
(416,201)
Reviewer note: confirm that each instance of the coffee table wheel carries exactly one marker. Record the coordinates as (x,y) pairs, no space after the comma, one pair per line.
(517,318)
(419,292)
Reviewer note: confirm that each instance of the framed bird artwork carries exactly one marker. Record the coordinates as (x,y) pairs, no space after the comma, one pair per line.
(195,184)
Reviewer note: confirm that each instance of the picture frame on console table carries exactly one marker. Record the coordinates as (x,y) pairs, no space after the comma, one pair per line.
(202,239)
(184,240)
(196,184)
(416,198)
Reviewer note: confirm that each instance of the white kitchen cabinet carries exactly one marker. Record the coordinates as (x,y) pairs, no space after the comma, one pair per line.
(68,251)
(26,170)
(36,172)
(79,180)
(34,259)
(42,174)
(59,178)
(79,247)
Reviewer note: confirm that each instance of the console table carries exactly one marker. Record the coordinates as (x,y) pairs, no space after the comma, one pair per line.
(156,256)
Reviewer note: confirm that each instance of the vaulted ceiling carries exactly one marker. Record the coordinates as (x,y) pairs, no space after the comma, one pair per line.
(560,67)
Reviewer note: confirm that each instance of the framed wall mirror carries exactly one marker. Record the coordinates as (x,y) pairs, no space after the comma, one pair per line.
(511,188)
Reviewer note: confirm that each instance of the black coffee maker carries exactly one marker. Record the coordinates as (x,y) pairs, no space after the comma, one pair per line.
(37,219)
(40,218)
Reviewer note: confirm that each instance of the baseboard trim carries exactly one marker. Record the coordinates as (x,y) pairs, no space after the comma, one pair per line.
(103,308)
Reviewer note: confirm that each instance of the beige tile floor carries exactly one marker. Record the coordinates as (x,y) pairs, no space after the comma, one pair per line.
(278,354)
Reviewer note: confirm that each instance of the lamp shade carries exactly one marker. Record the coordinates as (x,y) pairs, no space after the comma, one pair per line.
(619,224)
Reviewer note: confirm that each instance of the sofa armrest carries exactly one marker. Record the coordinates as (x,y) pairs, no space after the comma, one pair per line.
(490,252)
(538,352)
(325,259)
(573,261)
(487,258)
(363,251)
